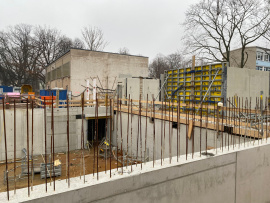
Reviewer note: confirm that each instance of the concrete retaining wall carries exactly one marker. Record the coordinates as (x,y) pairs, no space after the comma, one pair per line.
(60,130)
(235,176)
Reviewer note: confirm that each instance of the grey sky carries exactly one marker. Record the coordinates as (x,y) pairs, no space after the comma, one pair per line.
(145,27)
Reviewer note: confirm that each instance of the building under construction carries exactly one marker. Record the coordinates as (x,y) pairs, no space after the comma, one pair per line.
(205,141)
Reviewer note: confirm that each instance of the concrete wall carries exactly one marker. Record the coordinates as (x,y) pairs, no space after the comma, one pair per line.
(60,130)
(133,87)
(235,58)
(106,66)
(159,128)
(247,83)
(235,176)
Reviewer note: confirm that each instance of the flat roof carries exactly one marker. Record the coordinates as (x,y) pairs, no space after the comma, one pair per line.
(92,51)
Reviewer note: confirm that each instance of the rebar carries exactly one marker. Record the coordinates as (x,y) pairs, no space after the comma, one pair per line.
(45,137)
(5,135)
(14,147)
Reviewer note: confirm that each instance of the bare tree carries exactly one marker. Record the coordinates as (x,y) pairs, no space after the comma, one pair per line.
(19,56)
(158,66)
(77,43)
(124,50)
(94,39)
(214,27)
(176,60)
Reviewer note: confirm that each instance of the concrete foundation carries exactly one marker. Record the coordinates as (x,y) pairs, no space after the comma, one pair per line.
(233,176)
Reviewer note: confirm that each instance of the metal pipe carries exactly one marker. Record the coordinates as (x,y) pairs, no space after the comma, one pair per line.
(140,115)
(201,132)
(5,134)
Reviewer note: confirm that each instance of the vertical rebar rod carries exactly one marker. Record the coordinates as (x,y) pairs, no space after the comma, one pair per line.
(14,146)
(266,116)
(117,130)
(53,144)
(179,123)
(146,118)
(27,128)
(177,133)
(192,131)
(206,128)
(68,157)
(111,114)
(140,114)
(5,135)
(128,129)
(138,135)
(222,126)
(45,138)
(122,160)
(82,138)
(169,130)
(186,131)
(97,138)
(244,110)
(154,137)
(250,120)
(234,107)
(227,124)
(106,131)
(200,130)
(161,134)
(32,147)
(131,135)
(164,135)
(171,135)
(229,118)
(215,126)
(239,109)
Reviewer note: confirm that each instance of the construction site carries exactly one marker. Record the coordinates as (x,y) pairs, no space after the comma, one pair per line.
(196,135)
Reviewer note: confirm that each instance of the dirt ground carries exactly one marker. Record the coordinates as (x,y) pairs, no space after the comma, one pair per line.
(75,168)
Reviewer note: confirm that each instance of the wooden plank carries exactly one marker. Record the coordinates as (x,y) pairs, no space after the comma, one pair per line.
(190,129)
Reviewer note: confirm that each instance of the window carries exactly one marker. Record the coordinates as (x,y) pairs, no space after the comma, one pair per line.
(259,55)
(266,57)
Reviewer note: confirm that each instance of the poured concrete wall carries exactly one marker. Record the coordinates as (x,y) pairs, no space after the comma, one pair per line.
(107,67)
(247,83)
(233,176)
(159,130)
(60,130)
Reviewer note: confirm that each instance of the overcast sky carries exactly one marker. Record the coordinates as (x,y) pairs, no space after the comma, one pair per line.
(145,27)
